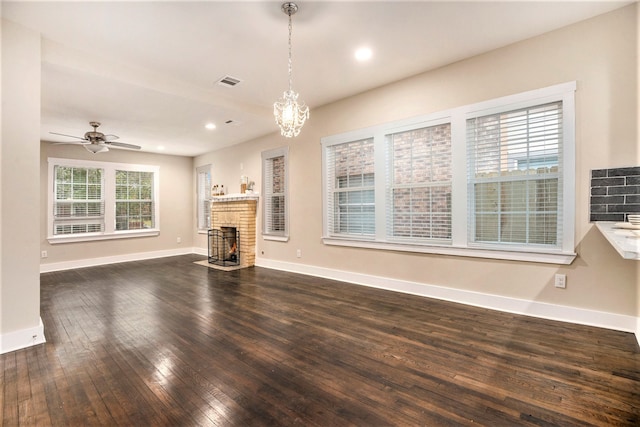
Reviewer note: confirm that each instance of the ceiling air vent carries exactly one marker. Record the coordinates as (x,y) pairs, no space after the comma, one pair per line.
(228,81)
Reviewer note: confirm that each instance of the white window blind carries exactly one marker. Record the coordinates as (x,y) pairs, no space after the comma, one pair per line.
(515,177)
(275,190)
(419,184)
(351,188)
(78,205)
(134,200)
(204,196)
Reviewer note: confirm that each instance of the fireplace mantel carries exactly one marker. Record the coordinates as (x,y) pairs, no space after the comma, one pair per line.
(234,198)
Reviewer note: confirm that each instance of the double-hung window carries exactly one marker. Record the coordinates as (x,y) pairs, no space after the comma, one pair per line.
(493,179)
(134,200)
(515,176)
(203,177)
(91,200)
(78,204)
(419,184)
(350,183)
(275,184)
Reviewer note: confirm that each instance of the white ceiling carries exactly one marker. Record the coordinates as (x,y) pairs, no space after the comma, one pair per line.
(148,70)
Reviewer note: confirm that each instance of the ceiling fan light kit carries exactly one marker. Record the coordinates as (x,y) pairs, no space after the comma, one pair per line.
(290,114)
(97,142)
(96,148)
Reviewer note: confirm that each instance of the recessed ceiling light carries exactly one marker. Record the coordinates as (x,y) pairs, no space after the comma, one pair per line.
(363,54)
(210,126)
(160,147)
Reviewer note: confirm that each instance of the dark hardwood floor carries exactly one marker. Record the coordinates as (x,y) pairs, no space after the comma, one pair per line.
(166,342)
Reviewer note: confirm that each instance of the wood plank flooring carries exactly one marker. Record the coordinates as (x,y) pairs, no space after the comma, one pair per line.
(166,342)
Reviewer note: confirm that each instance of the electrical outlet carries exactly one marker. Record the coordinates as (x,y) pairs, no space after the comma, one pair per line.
(298,253)
(179,240)
(561,281)
(44,254)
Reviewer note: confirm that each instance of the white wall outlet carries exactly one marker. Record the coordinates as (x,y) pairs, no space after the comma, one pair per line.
(44,254)
(298,253)
(561,281)
(179,240)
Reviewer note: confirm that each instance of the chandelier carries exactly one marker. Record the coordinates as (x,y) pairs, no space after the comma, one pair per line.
(289,113)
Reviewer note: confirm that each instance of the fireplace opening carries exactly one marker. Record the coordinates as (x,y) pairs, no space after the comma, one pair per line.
(224,246)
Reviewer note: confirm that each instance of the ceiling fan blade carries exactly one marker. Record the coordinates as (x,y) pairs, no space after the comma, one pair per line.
(123,145)
(70,136)
(110,137)
(71,143)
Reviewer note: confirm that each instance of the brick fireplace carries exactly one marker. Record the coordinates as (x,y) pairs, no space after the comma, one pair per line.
(239,212)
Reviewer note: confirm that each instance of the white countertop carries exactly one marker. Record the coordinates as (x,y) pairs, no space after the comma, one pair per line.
(625,241)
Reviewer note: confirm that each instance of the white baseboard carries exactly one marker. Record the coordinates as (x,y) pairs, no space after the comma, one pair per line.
(200,251)
(543,310)
(91,262)
(23,338)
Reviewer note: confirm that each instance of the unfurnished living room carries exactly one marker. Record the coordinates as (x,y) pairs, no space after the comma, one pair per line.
(320,213)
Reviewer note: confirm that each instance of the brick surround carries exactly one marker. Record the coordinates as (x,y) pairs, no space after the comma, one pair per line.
(240,212)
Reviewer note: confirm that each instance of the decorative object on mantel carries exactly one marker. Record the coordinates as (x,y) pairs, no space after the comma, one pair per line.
(290,114)
(244,180)
(217,190)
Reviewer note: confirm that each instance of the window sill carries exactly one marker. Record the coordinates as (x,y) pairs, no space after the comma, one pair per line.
(276,238)
(101,236)
(548,258)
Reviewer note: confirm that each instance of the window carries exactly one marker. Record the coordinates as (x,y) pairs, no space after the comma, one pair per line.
(275,182)
(99,200)
(203,193)
(134,200)
(515,179)
(351,180)
(493,179)
(78,206)
(419,190)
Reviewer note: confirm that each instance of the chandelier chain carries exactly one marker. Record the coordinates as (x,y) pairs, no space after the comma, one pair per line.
(290,62)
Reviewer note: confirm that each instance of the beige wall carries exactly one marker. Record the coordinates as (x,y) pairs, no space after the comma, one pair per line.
(637,273)
(19,202)
(600,54)
(177,217)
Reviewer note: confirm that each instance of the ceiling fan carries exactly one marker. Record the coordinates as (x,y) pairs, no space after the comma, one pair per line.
(97,142)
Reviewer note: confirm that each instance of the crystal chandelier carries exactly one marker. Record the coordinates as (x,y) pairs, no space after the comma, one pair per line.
(289,113)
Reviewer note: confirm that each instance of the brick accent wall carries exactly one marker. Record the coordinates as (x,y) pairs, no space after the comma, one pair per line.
(615,193)
(241,214)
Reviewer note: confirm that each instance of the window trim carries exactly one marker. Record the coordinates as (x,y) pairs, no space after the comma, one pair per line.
(109,200)
(207,197)
(459,245)
(266,156)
